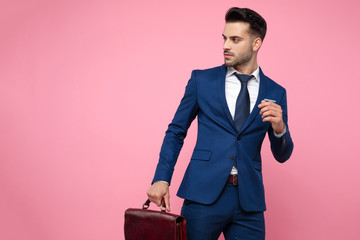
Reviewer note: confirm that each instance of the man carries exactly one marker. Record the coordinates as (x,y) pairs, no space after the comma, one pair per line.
(236,105)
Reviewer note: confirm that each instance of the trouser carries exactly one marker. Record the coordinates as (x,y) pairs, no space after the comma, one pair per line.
(207,222)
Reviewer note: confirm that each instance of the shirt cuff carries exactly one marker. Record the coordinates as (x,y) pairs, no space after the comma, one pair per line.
(163,181)
(279,135)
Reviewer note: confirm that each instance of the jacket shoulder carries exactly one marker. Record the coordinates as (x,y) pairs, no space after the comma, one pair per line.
(273,84)
(208,72)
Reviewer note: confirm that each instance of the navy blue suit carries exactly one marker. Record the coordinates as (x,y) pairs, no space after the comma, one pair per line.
(219,144)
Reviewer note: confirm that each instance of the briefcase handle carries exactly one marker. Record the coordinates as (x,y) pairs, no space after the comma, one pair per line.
(147,204)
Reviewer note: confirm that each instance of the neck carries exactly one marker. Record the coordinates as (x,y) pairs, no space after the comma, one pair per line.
(247,68)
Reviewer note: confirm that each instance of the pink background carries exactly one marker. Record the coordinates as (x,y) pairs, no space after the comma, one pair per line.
(87,89)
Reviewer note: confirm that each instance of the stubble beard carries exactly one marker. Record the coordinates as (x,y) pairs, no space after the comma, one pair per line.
(239,60)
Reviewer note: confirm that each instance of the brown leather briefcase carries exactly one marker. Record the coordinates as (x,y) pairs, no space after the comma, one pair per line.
(144,224)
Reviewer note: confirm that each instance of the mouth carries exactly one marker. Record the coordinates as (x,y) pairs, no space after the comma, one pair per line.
(227,55)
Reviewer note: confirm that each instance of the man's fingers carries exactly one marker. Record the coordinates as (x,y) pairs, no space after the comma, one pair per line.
(266,104)
(167,201)
(266,108)
(155,199)
(273,108)
(271,113)
(157,192)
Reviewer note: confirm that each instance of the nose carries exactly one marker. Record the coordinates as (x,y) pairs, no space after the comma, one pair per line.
(226,45)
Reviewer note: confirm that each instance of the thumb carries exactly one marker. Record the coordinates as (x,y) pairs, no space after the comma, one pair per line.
(262,102)
(167,201)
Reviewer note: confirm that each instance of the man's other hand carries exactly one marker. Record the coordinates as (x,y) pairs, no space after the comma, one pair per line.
(157,192)
(272,112)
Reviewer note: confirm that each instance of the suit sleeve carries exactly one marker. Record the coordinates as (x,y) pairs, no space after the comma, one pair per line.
(283,146)
(176,133)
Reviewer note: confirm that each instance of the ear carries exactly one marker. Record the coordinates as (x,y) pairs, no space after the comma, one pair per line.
(257,42)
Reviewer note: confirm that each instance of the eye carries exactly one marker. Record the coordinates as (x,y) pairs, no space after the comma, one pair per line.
(236,39)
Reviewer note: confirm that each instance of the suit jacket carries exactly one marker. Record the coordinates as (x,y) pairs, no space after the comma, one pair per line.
(219,144)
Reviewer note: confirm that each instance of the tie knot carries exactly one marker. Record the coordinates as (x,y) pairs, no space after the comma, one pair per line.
(243,77)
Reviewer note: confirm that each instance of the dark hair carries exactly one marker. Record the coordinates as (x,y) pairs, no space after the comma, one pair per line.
(257,23)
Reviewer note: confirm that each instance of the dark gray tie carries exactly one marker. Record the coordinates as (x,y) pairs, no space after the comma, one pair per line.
(242,110)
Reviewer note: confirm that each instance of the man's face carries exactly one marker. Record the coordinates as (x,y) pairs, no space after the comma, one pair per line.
(238,49)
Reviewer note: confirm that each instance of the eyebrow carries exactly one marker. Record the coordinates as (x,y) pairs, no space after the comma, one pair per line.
(231,36)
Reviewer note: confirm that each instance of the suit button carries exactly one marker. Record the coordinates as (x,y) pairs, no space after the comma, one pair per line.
(238,138)
(232,158)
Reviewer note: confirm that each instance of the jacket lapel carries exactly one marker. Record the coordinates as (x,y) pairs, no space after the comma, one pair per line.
(261,96)
(221,87)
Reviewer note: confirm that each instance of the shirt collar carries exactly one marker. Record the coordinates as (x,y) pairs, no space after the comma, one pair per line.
(231,71)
